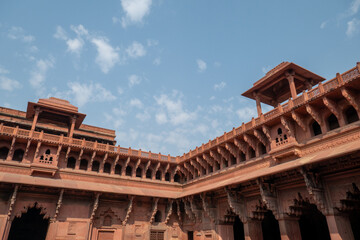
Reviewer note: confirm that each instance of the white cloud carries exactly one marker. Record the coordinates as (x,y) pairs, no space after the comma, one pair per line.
(246,113)
(136,50)
(134,80)
(3,70)
(136,103)
(157,61)
(219,86)
(120,90)
(8,84)
(38,74)
(323,24)
(80,30)
(353,27)
(201,65)
(60,33)
(135,11)
(16,33)
(107,56)
(75,45)
(161,118)
(174,109)
(84,93)
(354,8)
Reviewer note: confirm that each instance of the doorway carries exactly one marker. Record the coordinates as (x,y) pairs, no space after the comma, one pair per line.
(31,223)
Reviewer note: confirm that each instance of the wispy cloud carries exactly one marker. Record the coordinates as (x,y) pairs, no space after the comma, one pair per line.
(323,24)
(201,65)
(219,86)
(135,11)
(135,102)
(136,50)
(18,33)
(157,61)
(38,74)
(107,56)
(134,80)
(353,27)
(8,84)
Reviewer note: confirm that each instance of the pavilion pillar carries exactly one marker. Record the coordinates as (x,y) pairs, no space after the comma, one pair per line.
(72,127)
(289,228)
(36,116)
(339,227)
(290,78)
(225,232)
(253,230)
(258,104)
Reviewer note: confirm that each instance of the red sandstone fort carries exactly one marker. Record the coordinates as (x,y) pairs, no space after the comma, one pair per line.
(290,173)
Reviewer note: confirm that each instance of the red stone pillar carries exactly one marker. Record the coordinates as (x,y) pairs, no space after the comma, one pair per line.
(258,104)
(339,227)
(289,228)
(253,230)
(72,126)
(290,78)
(225,232)
(36,116)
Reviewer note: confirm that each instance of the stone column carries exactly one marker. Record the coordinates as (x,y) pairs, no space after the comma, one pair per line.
(339,227)
(258,104)
(289,228)
(72,126)
(225,232)
(253,230)
(37,112)
(290,78)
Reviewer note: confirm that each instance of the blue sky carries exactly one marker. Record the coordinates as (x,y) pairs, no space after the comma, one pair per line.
(166,75)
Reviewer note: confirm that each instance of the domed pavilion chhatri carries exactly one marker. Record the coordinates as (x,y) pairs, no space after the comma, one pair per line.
(290,173)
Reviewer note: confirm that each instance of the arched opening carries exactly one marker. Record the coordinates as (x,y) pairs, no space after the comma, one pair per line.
(107,220)
(313,225)
(148,173)
(252,152)
(316,129)
(118,169)
(47,151)
(351,115)
(332,122)
(95,166)
(238,229)
(279,131)
(31,225)
(18,155)
(71,162)
(167,177)
(83,164)
(158,175)
(262,149)
(128,171)
(157,218)
(232,160)
(139,172)
(4,152)
(107,167)
(242,157)
(176,178)
(211,169)
(270,227)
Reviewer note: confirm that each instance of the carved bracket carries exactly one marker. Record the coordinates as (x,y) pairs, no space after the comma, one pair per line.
(236,204)
(196,166)
(95,206)
(268,196)
(225,154)
(315,189)
(188,211)
(251,141)
(128,211)
(352,98)
(332,106)
(178,210)
(314,113)
(12,201)
(208,159)
(241,145)
(169,211)
(266,131)
(125,166)
(58,205)
(154,210)
(27,148)
(299,120)
(288,125)
(205,204)
(261,137)
(216,156)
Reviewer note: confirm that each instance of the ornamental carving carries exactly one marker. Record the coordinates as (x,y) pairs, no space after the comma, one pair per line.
(299,120)
(332,106)
(266,131)
(314,113)
(128,211)
(241,145)
(269,196)
(352,98)
(208,209)
(236,203)
(352,201)
(288,125)
(261,137)
(169,211)
(154,209)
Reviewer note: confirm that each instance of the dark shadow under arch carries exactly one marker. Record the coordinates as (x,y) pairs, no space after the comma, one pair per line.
(31,225)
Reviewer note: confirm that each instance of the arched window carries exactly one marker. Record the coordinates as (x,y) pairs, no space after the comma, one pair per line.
(71,162)
(316,128)
(167,177)
(18,155)
(139,172)
(118,169)
(47,151)
(211,169)
(4,152)
(83,164)
(263,148)
(332,122)
(176,178)
(158,175)
(107,221)
(242,157)
(148,173)
(107,167)
(157,216)
(95,166)
(252,152)
(279,131)
(128,171)
(351,115)
(233,160)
